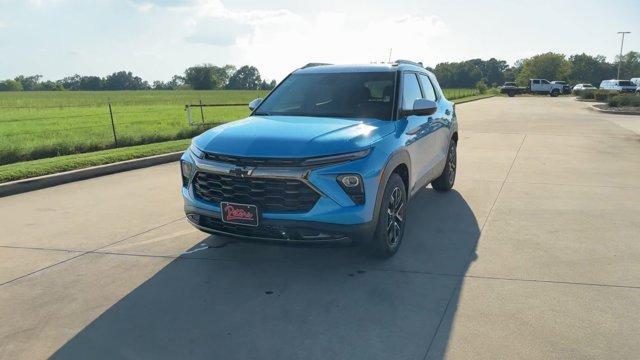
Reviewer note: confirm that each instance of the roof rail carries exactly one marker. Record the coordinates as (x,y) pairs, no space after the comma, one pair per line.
(314,64)
(409,62)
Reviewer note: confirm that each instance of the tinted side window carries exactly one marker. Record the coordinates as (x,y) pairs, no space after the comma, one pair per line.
(544,81)
(410,90)
(536,81)
(427,88)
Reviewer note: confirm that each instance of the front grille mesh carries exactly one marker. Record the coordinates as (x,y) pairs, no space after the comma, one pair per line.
(269,195)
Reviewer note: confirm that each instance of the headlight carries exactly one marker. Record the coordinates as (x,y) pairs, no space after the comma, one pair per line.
(331,159)
(196,152)
(186,168)
(353,186)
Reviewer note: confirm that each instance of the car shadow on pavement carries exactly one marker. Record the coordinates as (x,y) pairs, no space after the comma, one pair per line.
(256,301)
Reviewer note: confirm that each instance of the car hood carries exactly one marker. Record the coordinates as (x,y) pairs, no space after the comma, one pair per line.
(293,136)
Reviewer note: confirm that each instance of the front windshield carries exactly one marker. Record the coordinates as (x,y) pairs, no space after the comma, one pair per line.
(625,83)
(350,95)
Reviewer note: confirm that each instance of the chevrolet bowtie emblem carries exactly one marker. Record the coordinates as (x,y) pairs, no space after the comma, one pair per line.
(241,171)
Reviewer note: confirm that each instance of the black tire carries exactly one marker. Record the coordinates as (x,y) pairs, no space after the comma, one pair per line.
(511,94)
(445,181)
(390,229)
(554,93)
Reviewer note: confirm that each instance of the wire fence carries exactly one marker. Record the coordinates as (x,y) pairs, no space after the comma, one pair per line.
(30,133)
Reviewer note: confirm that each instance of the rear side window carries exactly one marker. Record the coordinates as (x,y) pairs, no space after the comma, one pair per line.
(427,88)
(544,81)
(410,90)
(536,81)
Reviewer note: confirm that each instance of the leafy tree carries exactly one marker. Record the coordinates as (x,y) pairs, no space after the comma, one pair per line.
(29,83)
(469,73)
(590,69)
(247,77)
(630,66)
(49,86)
(493,71)
(125,80)
(550,66)
(91,83)
(203,77)
(10,85)
(481,87)
(264,85)
(70,82)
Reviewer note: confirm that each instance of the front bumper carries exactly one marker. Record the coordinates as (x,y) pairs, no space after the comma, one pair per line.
(290,231)
(334,217)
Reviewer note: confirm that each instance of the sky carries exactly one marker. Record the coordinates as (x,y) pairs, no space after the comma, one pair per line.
(157,39)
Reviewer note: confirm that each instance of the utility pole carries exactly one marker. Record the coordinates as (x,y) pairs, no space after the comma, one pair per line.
(621,45)
(390,50)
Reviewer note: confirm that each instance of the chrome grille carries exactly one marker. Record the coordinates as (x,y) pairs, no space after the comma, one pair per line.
(269,195)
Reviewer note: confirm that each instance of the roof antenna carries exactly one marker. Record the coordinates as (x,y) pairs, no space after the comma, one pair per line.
(390,50)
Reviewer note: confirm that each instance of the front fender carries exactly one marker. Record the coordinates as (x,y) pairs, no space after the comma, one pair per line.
(400,156)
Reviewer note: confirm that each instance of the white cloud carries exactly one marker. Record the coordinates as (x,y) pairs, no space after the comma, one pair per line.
(279,40)
(42,3)
(3,24)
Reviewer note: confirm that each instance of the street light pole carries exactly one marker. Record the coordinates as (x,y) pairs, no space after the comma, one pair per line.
(621,45)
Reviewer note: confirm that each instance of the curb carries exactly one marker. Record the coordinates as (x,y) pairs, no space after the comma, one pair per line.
(592,107)
(466,101)
(41,182)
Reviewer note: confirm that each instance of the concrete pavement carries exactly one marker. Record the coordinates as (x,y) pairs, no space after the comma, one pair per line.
(534,255)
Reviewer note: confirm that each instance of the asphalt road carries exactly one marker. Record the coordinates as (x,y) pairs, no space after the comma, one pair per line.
(536,254)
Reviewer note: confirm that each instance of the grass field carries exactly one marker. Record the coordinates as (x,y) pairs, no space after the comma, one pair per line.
(37,125)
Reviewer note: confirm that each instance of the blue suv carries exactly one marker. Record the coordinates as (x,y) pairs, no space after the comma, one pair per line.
(333,153)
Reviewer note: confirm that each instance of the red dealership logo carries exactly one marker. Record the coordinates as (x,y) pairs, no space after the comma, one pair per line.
(233,213)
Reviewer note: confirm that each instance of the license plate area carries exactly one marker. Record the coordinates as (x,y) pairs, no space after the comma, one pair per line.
(239,214)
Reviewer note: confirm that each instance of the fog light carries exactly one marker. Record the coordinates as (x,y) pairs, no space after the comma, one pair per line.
(352,185)
(350,181)
(194,218)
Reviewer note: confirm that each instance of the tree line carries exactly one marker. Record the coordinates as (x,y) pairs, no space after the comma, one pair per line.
(579,68)
(199,77)
(574,69)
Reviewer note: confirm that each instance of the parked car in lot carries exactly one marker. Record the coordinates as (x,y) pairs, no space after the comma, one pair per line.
(580,88)
(544,87)
(636,82)
(511,89)
(566,88)
(535,86)
(619,86)
(332,153)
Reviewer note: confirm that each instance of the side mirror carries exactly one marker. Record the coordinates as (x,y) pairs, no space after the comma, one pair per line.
(255,103)
(422,107)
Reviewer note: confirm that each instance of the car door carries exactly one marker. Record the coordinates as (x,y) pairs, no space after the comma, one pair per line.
(417,131)
(439,123)
(545,86)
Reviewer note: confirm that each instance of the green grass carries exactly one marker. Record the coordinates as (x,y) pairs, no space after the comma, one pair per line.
(37,125)
(454,94)
(58,164)
(27,169)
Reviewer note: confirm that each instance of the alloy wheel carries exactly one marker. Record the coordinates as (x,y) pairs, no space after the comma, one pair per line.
(452,163)
(395,219)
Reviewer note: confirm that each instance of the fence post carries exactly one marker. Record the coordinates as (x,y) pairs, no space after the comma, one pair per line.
(113,126)
(201,112)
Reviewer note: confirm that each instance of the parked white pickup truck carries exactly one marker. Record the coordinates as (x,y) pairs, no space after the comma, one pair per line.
(542,86)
